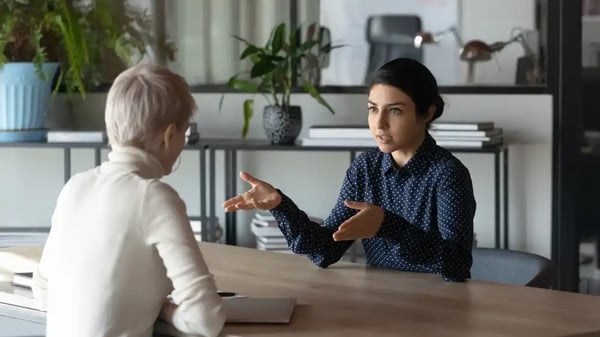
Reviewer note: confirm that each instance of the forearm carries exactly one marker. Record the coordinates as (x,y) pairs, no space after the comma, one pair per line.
(307,237)
(193,321)
(40,289)
(408,239)
(417,246)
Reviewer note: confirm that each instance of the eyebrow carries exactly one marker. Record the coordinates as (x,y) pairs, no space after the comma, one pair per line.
(391,104)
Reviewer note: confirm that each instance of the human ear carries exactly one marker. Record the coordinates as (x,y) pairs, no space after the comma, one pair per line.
(430,113)
(168,135)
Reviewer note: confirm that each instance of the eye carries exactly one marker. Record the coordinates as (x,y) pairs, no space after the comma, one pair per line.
(395,111)
(372,109)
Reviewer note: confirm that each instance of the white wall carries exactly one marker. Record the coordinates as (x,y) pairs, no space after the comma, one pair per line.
(30,179)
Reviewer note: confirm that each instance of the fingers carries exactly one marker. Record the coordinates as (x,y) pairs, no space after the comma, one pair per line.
(244,206)
(232,201)
(240,206)
(356,204)
(343,235)
(345,231)
(249,178)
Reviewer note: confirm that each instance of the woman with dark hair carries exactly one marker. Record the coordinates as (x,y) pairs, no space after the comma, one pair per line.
(410,201)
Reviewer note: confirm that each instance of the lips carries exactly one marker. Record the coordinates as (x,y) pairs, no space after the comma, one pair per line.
(383,138)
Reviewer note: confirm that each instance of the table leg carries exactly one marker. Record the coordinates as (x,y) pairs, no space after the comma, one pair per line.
(67,164)
(505,202)
(97,157)
(202,171)
(497,168)
(211,195)
(231,190)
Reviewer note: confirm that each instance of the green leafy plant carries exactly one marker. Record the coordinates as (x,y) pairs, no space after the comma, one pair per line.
(92,42)
(286,60)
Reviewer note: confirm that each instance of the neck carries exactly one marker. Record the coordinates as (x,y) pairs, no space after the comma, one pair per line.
(402,156)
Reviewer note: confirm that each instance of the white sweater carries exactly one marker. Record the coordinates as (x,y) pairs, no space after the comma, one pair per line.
(120,243)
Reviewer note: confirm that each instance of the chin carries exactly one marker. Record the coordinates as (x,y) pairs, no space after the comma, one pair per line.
(387,148)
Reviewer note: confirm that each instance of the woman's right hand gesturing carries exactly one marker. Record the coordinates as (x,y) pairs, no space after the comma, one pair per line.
(261,196)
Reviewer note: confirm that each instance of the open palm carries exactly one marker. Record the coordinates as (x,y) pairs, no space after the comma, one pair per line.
(262,195)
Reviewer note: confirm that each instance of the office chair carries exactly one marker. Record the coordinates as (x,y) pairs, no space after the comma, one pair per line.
(512,267)
(390,37)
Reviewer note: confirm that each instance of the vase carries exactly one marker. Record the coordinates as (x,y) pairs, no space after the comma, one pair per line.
(282,124)
(24,100)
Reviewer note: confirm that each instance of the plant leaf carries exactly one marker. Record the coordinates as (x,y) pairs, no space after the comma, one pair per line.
(243,85)
(309,88)
(307,45)
(250,50)
(242,40)
(248,113)
(278,38)
(221,102)
(271,58)
(262,68)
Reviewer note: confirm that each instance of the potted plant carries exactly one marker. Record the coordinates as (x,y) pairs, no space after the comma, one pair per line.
(284,62)
(73,44)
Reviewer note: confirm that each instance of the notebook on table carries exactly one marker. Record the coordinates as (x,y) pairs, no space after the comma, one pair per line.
(244,310)
(239,308)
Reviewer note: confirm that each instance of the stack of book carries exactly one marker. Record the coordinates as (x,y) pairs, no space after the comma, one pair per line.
(466,134)
(446,134)
(76,136)
(267,233)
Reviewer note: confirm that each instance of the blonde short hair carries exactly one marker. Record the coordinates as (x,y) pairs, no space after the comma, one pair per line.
(142,100)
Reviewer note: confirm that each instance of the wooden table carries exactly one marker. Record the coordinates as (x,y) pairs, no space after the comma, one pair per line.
(352,300)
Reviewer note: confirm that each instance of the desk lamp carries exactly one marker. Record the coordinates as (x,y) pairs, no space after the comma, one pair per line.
(429,37)
(479,51)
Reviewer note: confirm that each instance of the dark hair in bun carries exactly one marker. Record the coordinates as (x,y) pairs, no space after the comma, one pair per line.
(415,80)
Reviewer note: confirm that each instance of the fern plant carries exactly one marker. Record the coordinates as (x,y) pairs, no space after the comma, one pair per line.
(286,58)
(92,42)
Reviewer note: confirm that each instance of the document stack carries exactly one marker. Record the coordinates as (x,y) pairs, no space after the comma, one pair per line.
(446,134)
(339,135)
(268,235)
(466,134)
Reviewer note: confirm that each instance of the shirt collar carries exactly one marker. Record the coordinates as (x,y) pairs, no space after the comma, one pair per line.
(133,159)
(420,157)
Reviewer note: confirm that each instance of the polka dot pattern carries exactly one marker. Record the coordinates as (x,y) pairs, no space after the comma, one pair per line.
(428,224)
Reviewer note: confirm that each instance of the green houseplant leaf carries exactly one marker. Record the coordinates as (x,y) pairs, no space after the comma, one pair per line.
(313,92)
(92,42)
(277,66)
(248,113)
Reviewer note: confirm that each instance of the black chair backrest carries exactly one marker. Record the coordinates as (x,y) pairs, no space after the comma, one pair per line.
(512,267)
(390,37)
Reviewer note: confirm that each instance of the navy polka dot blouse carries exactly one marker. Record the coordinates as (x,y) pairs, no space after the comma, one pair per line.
(428,224)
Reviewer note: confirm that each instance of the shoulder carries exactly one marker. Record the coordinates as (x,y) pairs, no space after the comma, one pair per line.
(160,191)
(445,166)
(78,182)
(368,160)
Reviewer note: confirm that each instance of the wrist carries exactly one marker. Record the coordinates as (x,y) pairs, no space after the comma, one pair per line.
(277,199)
(168,311)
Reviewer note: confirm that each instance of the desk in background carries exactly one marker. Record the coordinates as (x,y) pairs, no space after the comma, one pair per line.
(232,146)
(208,227)
(349,300)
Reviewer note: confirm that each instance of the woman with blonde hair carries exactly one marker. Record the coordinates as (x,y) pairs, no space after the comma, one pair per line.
(121,252)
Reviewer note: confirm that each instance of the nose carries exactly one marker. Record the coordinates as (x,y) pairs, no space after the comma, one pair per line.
(382,120)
